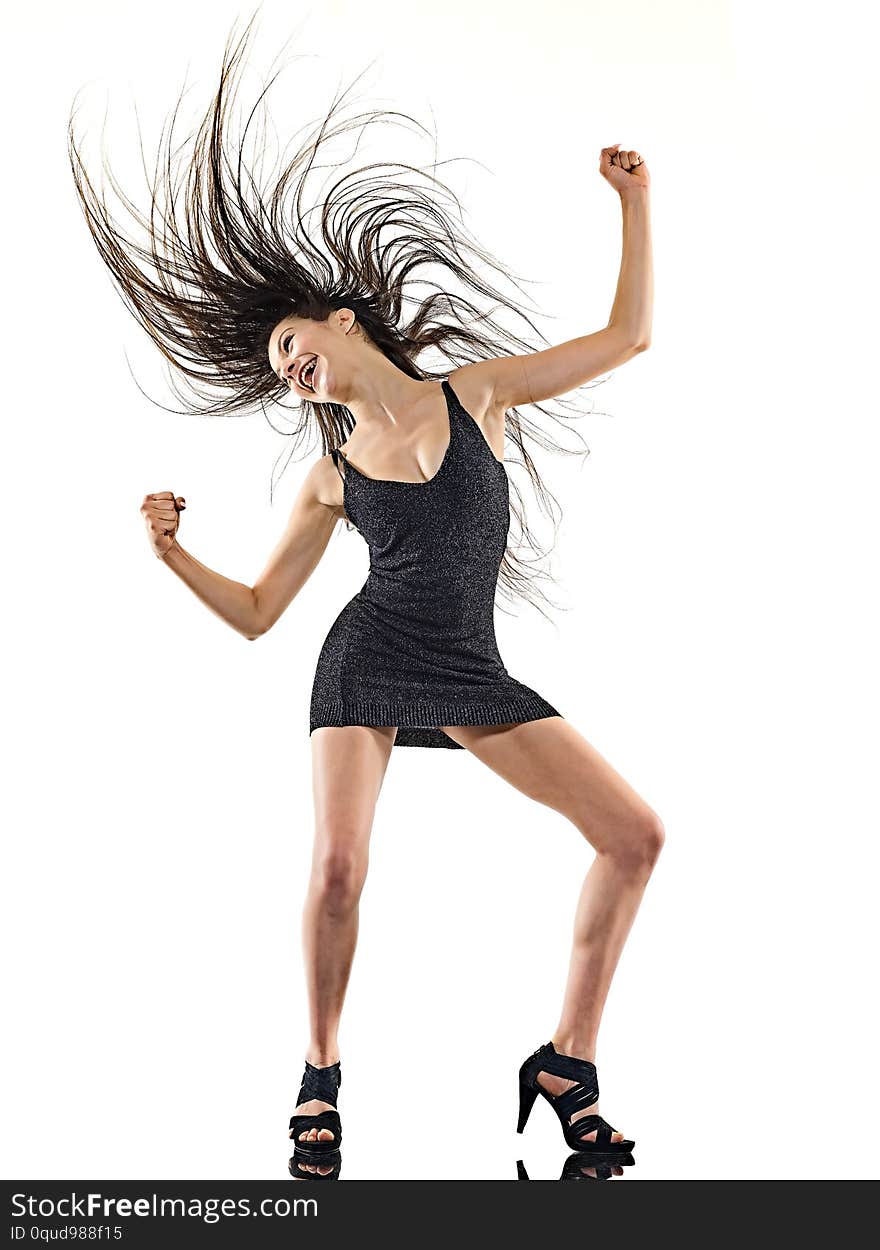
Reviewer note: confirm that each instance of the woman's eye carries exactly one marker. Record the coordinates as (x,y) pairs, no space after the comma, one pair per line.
(285,346)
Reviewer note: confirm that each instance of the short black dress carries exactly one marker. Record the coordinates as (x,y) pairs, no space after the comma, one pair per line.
(416,646)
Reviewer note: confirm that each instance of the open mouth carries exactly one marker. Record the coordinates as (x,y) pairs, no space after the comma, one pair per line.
(306,373)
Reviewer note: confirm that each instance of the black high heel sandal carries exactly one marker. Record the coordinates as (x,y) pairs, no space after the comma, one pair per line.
(548,1059)
(321,1083)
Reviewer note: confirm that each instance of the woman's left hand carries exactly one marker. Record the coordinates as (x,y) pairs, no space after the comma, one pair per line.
(626,171)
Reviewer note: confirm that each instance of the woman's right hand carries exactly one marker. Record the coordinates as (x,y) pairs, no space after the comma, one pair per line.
(161,512)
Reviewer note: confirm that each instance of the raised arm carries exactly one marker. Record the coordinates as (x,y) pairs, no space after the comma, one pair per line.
(251,610)
(510,380)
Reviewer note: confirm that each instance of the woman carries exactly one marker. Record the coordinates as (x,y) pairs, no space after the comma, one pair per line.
(415,461)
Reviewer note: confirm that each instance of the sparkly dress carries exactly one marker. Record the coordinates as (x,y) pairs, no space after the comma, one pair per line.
(416,646)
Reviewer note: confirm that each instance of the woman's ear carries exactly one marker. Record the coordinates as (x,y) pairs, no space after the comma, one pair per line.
(346,319)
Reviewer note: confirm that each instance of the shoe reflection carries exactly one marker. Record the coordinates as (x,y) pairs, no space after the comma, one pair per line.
(586,1167)
(304,1166)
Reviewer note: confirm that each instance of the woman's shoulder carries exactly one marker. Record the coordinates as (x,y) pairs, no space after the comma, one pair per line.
(323,482)
(473,385)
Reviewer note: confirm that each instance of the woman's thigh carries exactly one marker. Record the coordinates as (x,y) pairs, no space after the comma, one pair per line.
(348,768)
(551,762)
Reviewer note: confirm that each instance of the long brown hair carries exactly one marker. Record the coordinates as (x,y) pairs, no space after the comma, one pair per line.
(224,262)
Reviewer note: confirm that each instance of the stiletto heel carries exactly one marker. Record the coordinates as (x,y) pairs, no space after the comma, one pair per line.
(578,1096)
(527,1097)
(323,1084)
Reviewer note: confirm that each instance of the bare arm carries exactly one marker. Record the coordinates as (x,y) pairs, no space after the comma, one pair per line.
(251,610)
(317,509)
(232,601)
(526,379)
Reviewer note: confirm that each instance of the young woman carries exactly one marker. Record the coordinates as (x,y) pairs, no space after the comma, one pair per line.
(414,459)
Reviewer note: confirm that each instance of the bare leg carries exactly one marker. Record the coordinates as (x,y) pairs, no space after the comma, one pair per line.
(348,767)
(551,762)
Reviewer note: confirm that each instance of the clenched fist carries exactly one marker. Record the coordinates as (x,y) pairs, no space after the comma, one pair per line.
(161,512)
(625,170)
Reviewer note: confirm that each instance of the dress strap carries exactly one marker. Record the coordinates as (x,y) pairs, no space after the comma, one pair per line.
(336,453)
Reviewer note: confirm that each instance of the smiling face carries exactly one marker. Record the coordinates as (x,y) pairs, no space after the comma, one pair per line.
(316,359)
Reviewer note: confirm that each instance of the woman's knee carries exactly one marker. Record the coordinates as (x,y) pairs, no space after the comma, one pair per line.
(338,873)
(640,841)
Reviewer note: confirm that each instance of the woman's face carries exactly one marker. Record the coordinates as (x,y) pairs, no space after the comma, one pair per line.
(314,358)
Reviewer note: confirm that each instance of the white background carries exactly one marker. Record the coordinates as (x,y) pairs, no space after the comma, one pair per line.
(717,559)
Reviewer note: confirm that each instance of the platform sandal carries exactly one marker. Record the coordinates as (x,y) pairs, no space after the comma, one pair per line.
(321,1083)
(583,1094)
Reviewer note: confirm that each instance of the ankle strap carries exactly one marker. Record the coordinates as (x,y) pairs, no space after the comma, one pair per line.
(321,1083)
(548,1059)
(565,1065)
